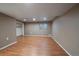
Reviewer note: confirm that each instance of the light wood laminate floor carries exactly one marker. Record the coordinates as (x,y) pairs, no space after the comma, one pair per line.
(34,46)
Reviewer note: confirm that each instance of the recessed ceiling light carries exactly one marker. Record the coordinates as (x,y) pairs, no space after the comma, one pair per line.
(34,19)
(25,19)
(44,18)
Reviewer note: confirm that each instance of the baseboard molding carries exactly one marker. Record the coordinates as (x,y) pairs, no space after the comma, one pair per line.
(38,35)
(8,45)
(60,45)
(42,36)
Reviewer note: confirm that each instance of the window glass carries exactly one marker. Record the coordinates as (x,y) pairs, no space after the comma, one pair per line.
(43,26)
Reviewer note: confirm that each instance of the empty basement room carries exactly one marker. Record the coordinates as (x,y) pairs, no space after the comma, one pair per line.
(39,29)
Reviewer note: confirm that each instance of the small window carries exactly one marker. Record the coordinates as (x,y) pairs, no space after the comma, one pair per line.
(43,26)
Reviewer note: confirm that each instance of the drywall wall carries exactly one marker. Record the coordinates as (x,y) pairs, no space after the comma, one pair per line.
(65,31)
(34,29)
(7,30)
(19,28)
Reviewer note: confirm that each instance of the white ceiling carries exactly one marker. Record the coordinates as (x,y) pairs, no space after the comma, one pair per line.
(21,11)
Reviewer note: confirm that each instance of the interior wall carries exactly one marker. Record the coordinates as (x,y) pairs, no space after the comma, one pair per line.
(34,29)
(7,30)
(65,30)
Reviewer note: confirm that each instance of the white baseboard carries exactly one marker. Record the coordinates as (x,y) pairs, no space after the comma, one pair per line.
(8,45)
(41,36)
(60,45)
(38,35)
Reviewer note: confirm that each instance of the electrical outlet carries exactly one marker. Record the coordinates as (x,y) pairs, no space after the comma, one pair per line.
(7,38)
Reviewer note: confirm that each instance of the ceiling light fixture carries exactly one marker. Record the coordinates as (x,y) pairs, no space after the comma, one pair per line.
(25,19)
(45,18)
(34,19)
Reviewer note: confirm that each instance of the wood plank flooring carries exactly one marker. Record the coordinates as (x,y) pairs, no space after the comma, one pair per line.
(34,46)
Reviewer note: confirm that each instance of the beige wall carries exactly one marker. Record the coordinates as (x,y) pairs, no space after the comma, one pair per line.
(66,31)
(33,29)
(7,29)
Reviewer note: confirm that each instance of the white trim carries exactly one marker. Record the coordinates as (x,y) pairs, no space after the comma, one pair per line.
(53,39)
(41,36)
(38,35)
(60,45)
(8,45)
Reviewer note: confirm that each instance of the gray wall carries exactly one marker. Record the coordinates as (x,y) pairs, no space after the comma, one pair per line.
(7,29)
(66,31)
(33,29)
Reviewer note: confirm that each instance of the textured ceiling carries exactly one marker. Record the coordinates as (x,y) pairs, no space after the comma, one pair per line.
(29,11)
